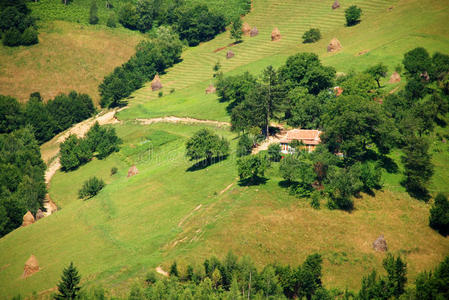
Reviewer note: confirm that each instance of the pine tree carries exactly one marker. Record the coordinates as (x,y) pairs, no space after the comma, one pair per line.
(68,287)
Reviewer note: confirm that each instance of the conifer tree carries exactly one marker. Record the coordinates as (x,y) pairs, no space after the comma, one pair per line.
(68,287)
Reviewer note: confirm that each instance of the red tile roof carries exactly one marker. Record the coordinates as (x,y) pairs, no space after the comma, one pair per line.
(308,137)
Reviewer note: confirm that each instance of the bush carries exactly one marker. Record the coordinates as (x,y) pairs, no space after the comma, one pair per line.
(244,146)
(204,144)
(12,37)
(353,14)
(111,22)
(29,36)
(90,188)
(160,94)
(439,215)
(274,152)
(93,13)
(114,170)
(251,168)
(311,36)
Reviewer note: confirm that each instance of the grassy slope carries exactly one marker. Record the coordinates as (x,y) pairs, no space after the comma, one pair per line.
(68,57)
(133,225)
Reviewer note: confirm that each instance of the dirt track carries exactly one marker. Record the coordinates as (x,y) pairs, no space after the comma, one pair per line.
(172,119)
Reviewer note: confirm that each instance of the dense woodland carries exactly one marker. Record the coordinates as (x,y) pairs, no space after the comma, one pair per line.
(236,279)
(17,26)
(23,127)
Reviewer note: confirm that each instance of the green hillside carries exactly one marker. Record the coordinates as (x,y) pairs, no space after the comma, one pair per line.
(168,212)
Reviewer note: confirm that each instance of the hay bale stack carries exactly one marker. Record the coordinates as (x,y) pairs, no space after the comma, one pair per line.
(39,214)
(31,267)
(229,54)
(334,45)
(380,244)
(156,84)
(246,29)
(425,76)
(28,219)
(336,4)
(210,89)
(395,78)
(275,35)
(254,32)
(133,171)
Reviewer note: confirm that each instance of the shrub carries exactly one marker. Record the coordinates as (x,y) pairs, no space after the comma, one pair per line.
(204,144)
(274,152)
(12,37)
(252,168)
(91,187)
(160,94)
(111,22)
(353,14)
(128,16)
(114,170)
(244,146)
(93,13)
(29,36)
(439,215)
(315,200)
(311,36)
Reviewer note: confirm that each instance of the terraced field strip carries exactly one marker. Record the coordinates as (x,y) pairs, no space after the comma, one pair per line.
(292,17)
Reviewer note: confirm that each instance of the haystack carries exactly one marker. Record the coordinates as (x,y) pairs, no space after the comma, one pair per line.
(275,35)
(39,214)
(380,244)
(210,89)
(246,29)
(229,54)
(334,45)
(336,4)
(28,219)
(133,171)
(425,76)
(156,84)
(394,78)
(31,266)
(254,32)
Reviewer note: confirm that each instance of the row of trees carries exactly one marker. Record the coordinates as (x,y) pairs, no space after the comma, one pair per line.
(237,279)
(152,56)
(194,24)
(46,119)
(17,26)
(22,184)
(99,142)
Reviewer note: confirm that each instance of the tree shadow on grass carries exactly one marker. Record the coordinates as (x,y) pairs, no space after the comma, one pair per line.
(202,164)
(388,164)
(253,181)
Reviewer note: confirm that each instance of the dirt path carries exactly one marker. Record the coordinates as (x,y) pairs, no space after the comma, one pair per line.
(172,119)
(266,143)
(162,272)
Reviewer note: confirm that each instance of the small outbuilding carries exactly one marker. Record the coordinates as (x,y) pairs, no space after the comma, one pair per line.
(309,138)
(275,35)
(156,84)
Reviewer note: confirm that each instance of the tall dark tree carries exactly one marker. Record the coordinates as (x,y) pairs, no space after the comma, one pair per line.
(236,29)
(418,168)
(93,13)
(417,62)
(353,14)
(68,286)
(439,215)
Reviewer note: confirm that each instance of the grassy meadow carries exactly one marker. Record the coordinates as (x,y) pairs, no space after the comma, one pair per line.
(68,57)
(168,212)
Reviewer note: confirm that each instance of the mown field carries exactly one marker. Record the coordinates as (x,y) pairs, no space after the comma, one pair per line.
(167,212)
(68,57)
